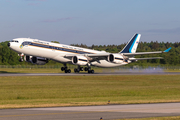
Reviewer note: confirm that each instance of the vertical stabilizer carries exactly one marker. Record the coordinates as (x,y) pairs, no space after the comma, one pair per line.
(131,46)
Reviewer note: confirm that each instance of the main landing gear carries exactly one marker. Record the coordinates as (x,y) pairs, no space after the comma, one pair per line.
(65,69)
(89,69)
(77,70)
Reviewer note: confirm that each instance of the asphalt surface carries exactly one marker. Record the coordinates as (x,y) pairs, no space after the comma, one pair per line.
(107,112)
(82,74)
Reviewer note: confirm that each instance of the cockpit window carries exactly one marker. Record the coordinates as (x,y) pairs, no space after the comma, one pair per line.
(15,41)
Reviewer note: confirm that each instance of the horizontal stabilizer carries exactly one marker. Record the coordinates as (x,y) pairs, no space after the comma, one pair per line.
(132,59)
(144,53)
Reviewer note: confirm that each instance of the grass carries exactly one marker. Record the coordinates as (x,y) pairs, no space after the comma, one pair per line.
(48,91)
(155,118)
(29,70)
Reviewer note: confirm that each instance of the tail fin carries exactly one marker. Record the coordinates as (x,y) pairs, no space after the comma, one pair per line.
(131,46)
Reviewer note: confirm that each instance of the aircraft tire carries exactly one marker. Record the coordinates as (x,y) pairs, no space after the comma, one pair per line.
(85,69)
(91,71)
(62,68)
(76,70)
(69,70)
(81,68)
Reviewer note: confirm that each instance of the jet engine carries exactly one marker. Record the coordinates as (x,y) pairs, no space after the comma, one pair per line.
(28,58)
(36,60)
(39,60)
(115,58)
(79,60)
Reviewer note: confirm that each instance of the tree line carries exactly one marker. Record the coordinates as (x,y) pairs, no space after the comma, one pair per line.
(9,57)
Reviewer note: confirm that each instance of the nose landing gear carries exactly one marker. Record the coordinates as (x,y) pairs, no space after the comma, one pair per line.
(21,57)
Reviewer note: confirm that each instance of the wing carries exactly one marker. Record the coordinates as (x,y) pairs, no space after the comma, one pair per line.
(127,56)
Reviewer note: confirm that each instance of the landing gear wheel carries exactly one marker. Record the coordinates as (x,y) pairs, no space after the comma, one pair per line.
(76,70)
(85,69)
(91,71)
(81,68)
(62,68)
(67,71)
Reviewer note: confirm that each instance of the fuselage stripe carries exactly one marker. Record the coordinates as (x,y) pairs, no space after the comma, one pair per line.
(55,48)
(83,60)
(119,58)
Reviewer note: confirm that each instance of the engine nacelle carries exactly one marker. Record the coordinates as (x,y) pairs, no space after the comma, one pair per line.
(79,60)
(39,60)
(36,60)
(115,58)
(28,58)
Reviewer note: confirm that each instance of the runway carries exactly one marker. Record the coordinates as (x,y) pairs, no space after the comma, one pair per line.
(83,74)
(107,112)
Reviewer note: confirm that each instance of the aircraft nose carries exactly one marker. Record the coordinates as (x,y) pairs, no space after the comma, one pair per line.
(9,44)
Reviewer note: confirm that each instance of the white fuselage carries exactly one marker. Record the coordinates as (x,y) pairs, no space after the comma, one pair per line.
(54,51)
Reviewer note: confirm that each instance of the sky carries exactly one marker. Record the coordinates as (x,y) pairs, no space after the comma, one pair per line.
(98,22)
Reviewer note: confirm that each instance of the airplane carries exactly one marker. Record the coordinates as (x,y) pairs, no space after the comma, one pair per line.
(40,52)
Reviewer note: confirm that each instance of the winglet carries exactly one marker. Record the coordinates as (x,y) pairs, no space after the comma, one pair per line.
(167,50)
